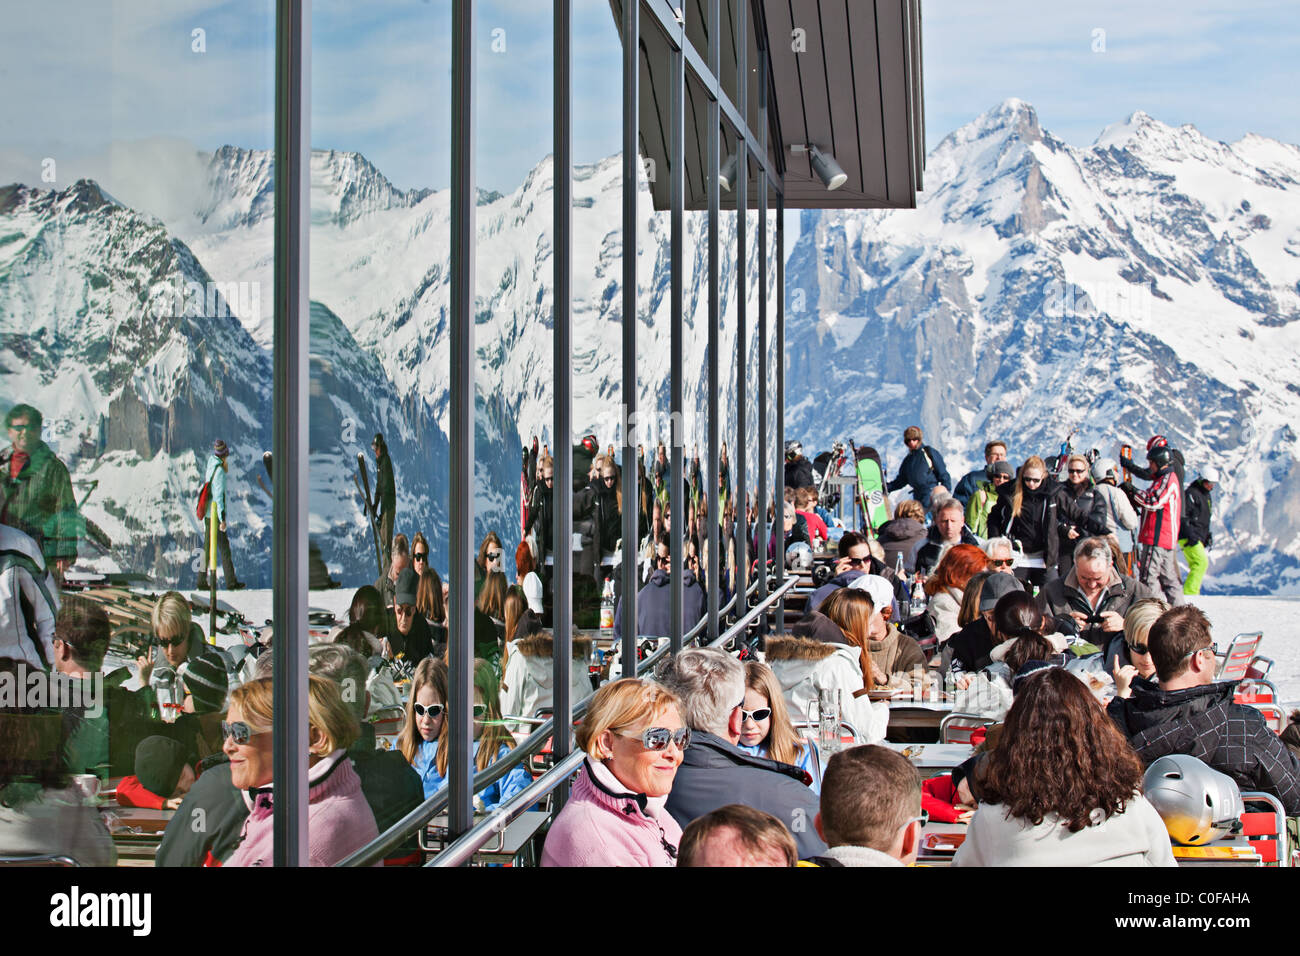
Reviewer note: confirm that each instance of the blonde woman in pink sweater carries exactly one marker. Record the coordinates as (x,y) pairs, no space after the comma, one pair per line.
(634,738)
(339,821)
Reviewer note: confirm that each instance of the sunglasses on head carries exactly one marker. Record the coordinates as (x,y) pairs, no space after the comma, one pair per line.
(658,738)
(433,710)
(239,731)
(420,556)
(760,714)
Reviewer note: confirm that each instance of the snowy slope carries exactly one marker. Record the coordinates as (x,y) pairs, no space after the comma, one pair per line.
(1149,283)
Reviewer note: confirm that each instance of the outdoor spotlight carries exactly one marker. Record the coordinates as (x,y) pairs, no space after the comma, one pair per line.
(827,170)
(727,175)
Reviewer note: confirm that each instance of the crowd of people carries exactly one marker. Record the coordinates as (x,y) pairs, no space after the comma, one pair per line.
(1010,580)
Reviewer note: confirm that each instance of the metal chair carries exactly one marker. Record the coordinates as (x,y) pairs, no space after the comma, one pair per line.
(1256,691)
(1264,825)
(1236,661)
(959,728)
(53,859)
(1274,716)
(848,733)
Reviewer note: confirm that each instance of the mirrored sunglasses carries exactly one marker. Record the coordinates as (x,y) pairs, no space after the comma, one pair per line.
(657,738)
(239,731)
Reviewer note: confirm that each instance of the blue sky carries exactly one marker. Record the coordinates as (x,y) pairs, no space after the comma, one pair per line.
(81,74)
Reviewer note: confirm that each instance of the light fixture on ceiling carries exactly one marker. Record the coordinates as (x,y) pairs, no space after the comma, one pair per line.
(727,175)
(831,173)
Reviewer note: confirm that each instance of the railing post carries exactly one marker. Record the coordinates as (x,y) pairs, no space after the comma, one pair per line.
(291,334)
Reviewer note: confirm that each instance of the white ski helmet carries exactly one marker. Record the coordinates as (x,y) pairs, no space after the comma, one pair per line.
(1211,474)
(793,449)
(799,556)
(1104,468)
(1197,803)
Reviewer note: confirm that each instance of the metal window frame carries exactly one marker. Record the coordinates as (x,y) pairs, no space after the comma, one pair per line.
(562,344)
(631,162)
(676,345)
(461,552)
(291,332)
(291,348)
(740,577)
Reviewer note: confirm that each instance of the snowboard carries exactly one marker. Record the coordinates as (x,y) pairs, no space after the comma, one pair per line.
(871,489)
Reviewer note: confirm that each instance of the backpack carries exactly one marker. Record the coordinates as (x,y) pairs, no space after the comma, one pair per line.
(205,499)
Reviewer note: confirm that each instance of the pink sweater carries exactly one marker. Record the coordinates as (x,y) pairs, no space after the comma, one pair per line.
(604,824)
(339,821)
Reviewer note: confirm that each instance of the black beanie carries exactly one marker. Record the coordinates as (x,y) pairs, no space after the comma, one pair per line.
(159,762)
(206,680)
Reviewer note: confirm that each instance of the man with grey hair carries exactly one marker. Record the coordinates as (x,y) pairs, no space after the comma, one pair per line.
(949,528)
(714,771)
(1093,598)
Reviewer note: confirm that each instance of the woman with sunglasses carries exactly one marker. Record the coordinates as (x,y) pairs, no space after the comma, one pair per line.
(423,740)
(176,637)
(1045,804)
(608,495)
(339,820)
(634,739)
(490,558)
(1129,656)
(1080,511)
(766,730)
(1026,512)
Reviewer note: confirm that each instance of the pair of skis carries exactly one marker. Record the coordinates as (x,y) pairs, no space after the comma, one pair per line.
(362,481)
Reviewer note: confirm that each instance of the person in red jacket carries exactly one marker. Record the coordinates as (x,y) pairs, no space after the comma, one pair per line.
(947,798)
(1162,507)
(162,776)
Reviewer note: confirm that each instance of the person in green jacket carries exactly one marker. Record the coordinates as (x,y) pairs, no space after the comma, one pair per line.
(36,491)
(986,496)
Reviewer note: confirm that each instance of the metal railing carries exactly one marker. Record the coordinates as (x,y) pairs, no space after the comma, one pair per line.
(394,836)
(469,843)
(753,613)
(464,848)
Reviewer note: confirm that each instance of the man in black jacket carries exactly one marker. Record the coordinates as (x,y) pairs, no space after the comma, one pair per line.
(923,469)
(949,528)
(385,491)
(1190,714)
(1093,598)
(1195,536)
(714,771)
(798,469)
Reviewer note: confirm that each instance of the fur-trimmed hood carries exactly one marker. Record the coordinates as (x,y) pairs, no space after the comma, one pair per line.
(543,645)
(799,649)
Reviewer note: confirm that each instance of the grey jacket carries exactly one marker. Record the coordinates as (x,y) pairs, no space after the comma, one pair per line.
(715,773)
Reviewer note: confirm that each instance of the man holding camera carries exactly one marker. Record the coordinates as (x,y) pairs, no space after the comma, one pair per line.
(1093,598)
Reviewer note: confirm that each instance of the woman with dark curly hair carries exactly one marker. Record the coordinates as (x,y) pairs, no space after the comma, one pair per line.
(1062,788)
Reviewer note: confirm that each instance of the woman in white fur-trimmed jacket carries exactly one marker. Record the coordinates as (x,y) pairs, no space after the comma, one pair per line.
(832,656)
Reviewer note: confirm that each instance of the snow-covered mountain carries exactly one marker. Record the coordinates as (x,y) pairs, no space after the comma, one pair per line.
(379,344)
(134,378)
(1148,283)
